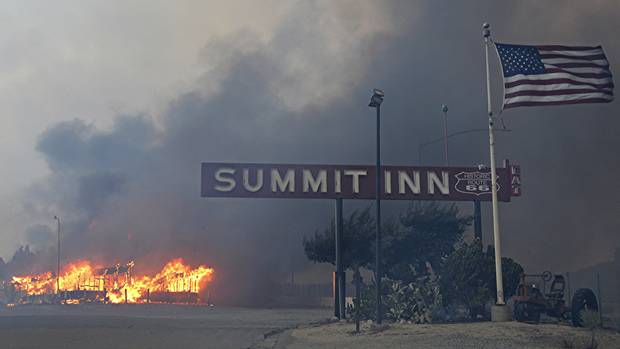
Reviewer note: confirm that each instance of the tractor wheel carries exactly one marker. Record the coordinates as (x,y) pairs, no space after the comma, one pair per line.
(524,312)
(584,299)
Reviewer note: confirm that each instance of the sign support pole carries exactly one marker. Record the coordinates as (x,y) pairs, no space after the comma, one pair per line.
(477,220)
(496,233)
(340,284)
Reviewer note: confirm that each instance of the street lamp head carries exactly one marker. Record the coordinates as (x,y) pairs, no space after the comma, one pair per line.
(486,31)
(377,98)
(444,108)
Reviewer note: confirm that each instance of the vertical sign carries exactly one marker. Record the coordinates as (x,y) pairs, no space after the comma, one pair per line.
(515,180)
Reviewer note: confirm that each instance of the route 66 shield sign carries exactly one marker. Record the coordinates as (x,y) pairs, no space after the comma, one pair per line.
(475,183)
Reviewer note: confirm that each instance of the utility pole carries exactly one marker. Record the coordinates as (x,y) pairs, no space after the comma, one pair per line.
(477,209)
(58,255)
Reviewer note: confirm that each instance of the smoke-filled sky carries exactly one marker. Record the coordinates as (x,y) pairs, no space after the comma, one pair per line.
(109,107)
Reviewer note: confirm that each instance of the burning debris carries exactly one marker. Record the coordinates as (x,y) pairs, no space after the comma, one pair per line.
(80,282)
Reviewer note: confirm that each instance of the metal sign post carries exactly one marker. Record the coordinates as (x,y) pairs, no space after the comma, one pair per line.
(477,220)
(340,275)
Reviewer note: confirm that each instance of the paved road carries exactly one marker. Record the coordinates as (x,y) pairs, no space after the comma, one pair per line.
(143,326)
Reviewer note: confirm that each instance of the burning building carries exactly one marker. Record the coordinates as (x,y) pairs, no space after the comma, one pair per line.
(81,281)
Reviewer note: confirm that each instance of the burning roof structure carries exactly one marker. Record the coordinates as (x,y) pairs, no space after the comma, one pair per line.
(81,281)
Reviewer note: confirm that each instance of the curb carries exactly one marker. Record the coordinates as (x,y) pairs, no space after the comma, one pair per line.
(265,340)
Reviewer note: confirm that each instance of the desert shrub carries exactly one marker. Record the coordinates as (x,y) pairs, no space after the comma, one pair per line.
(417,301)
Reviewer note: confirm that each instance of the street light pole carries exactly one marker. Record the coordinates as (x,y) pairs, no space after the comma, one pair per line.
(444,109)
(58,255)
(378,228)
(375,102)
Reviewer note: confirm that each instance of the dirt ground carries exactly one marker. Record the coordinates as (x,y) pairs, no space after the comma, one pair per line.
(465,335)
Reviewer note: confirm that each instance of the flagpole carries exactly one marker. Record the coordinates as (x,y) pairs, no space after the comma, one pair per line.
(486,32)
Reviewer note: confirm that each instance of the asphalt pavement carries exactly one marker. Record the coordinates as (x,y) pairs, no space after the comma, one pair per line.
(135,326)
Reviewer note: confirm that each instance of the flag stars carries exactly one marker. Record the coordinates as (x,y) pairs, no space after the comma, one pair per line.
(517,59)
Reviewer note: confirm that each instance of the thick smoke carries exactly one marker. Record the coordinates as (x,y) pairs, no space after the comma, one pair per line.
(132,191)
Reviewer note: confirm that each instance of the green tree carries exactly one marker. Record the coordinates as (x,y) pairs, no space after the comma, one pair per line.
(511,273)
(427,234)
(358,238)
(468,277)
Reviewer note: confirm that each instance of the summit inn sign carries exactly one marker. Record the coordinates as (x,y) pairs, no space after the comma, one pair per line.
(251,180)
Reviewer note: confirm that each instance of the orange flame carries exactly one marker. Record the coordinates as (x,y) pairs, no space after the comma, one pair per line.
(175,276)
(34,284)
(76,276)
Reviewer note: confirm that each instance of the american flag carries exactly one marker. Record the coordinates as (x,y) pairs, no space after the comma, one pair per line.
(554,75)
